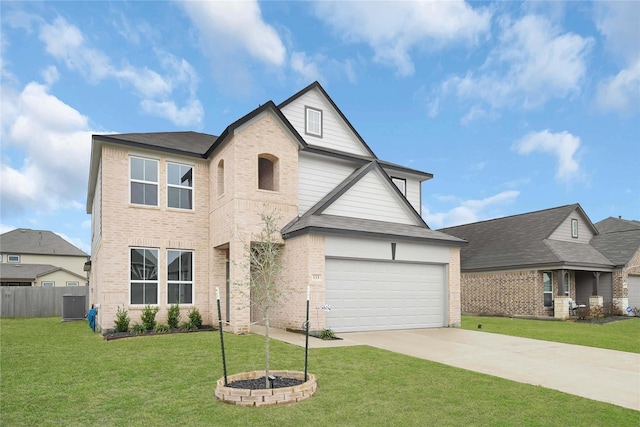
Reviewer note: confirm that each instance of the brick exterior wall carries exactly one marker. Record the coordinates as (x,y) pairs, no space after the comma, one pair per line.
(621,276)
(454,296)
(125,226)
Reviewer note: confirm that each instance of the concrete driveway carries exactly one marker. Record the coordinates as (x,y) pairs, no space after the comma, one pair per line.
(605,375)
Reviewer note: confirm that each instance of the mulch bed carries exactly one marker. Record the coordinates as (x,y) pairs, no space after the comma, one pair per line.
(109,335)
(259,383)
(603,320)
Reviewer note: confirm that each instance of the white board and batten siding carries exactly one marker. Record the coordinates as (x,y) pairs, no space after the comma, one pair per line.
(372,198)
(368,291)
(336,135)
(317,176)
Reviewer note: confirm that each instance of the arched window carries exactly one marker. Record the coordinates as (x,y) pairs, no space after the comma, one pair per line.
(267,172)
(220,177)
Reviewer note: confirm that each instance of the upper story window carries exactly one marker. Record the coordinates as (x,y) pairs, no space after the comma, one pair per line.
(220,177)
(13,258)
(179,186)
(73,284)
(313,122)
(574,228)
(267,172)
(143,276)
(401,183)
(48,284)
(144,181)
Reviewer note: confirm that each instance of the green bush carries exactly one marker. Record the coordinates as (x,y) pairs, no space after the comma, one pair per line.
(148,317)
(173,317)
(188,326)
(327,334)
(162,328)
(122,320)
(194,318)
(138,329)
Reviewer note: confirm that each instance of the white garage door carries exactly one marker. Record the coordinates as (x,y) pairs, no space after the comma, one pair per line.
(374,296)
(633,284)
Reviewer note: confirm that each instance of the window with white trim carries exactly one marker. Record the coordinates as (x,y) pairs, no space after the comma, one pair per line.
(179,277)
(401,183)
(143,276)
(313,122)
(565,283)
(73,284)
(13,258)
(179,186)
(574,228)
(547,278)
(144,181)
(48,284)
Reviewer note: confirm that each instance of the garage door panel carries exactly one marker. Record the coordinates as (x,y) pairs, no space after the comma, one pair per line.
(633,286)
(369,295)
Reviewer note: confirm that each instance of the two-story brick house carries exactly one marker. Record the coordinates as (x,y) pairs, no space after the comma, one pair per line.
(172,214)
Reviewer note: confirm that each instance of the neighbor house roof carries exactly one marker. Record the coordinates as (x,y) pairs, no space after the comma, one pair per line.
(30,272)
(523,240)
(37,242)
(618,239)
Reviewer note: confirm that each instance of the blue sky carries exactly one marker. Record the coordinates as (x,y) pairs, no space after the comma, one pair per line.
(513,107)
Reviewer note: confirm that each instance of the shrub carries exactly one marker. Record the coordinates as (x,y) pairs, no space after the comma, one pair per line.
(611,308)
(582,313)
(188,326)
(194,318)
(122,320)
(327,334)
(635,311)
(162,328)
(148,317)
(138,329)
(596,311)
(173,317)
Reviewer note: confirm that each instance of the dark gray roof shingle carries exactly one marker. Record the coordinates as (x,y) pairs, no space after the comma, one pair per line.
(25,271)
(618,239)
(37,242)
(188,143)
(520,241)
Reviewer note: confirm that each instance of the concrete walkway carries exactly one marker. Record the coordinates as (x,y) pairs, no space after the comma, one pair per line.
(605,375)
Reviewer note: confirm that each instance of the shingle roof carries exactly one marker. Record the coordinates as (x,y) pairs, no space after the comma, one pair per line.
(37,242)
(186,143)
(333,224)
(618,239)
(25,271)
(521,240)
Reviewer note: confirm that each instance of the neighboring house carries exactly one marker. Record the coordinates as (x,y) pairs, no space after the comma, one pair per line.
(619,240)
(525,264)
(172,214)
(40,258)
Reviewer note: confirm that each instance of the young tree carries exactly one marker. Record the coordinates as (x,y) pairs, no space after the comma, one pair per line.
(265,268)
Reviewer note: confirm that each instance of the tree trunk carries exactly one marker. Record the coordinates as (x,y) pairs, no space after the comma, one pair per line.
(266,351)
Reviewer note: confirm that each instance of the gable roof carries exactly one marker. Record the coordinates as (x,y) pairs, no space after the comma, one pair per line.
(30,271)
(316,86)
(523,240)
(618,239)
(317,221)
(37,242)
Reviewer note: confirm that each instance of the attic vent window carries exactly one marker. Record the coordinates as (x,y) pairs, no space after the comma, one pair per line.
(574,228)
(13,258)
(401,183)
(313,122)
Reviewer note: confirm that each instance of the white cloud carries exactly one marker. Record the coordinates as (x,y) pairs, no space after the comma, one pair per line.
(394,29)
(305,66)
(563,146)
(66,43)
(55,140)
(233,25)
(533,62)
(618,22)
(621,92)
(469,211)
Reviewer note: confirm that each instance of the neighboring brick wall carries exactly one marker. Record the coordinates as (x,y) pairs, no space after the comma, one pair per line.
(503,293)
(621,276)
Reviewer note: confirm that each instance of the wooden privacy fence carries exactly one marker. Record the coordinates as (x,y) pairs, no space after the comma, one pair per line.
(35,301)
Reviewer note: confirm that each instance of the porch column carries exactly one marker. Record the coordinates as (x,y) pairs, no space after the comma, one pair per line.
(560,282)
(596,282)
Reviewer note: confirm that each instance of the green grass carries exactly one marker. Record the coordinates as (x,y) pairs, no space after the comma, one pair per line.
(623,335)
(55,374)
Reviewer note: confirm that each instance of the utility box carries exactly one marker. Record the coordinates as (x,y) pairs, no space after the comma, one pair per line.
(73,307)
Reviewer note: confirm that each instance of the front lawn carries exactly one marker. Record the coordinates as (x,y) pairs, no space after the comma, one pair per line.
(623,335)
(56,374)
